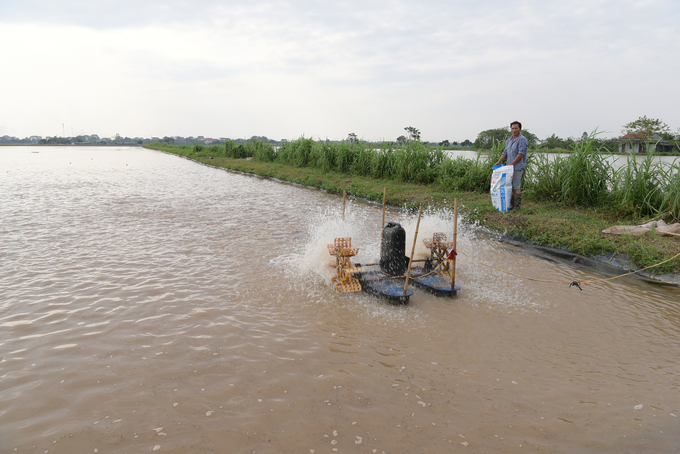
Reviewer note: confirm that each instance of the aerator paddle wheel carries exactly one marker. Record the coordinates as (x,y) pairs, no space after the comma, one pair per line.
(439,252)
(342,250)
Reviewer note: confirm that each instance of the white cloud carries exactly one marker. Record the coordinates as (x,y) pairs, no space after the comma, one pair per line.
(282,69)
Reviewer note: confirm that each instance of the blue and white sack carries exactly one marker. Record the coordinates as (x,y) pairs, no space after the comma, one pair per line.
(501,187)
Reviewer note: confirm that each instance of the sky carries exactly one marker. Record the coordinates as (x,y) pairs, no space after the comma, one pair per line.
(324,69)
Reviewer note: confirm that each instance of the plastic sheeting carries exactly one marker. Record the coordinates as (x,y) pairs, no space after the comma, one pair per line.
(660,226)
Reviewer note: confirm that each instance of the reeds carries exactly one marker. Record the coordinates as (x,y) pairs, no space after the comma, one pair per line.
(638,187)
(585,177)
(255,149)
(543,178)
(412,162)
(670,192)
(581,178)
(586,172)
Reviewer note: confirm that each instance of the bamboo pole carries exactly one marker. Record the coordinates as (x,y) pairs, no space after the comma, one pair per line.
(344,195)
(384,202)
(453,246)
(413,250)
(382,230)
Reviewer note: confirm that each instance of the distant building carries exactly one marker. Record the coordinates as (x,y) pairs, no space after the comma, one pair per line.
(637,142)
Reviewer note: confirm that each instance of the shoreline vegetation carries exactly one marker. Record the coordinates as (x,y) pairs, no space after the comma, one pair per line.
(567,199)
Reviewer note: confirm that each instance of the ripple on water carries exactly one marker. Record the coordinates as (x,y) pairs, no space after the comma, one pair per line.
(169,301)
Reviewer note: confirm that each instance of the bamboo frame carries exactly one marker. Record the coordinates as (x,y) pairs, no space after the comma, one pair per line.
(453,246)
(344,195)
(384,204)
(413,249)
(382,229)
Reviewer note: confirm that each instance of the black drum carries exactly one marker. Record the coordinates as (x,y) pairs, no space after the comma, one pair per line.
(393,260)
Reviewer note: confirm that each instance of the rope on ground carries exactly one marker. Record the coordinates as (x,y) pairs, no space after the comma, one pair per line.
(572,283)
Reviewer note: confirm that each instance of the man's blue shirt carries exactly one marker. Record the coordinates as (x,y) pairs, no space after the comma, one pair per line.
(513,148)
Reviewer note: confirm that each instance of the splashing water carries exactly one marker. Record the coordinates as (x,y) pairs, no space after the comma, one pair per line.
(432,221)
(330,224)
(362,223)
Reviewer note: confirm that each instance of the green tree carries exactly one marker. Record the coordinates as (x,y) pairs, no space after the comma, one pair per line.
(352,138)
(487,139)
(401,140)
(648,127)
(532,139)
(553,142)
(413,133)
(445,143)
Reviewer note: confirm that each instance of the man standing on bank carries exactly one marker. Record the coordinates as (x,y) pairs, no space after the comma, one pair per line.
(516,153)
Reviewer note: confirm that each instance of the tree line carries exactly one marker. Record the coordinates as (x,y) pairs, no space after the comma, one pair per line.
(643,128)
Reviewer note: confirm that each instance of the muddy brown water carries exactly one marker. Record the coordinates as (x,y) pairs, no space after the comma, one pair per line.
(152,304)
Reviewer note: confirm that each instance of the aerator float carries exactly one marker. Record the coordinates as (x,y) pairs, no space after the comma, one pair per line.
(391,276)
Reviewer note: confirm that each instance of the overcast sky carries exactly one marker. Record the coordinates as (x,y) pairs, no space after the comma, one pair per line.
(324,69)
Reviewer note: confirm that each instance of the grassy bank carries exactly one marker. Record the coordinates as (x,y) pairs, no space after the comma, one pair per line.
(554,213)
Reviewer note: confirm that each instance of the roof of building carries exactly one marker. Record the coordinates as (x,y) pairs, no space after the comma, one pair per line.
(635,135)
(641,136)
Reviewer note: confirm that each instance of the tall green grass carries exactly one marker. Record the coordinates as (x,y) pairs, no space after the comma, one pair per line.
(670,192)
(255,149)
(412,162)
(580,178)
(637,187)
(586,173)
(543,178)
(584,177)
(470,174)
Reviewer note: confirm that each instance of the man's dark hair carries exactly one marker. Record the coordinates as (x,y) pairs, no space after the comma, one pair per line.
(516,123)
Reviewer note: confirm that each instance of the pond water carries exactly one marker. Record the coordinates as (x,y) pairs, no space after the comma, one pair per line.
(152,304)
